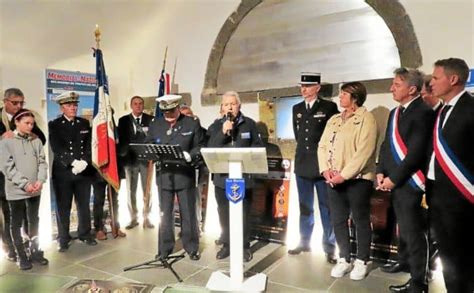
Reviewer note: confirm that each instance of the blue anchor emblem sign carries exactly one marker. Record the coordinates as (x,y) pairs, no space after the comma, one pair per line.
(235,189)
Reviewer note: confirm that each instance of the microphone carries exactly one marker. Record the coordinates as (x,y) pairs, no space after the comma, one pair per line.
(228,117)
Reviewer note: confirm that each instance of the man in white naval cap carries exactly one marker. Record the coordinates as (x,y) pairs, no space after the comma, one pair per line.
(72,175)
(177,177)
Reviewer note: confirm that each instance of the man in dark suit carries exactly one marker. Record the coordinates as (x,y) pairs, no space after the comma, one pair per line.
(233,130)
(177,177)
(427,94)
(451,173)
(133,128)
(72,175)
(402,162)
(309,119)
(13,100)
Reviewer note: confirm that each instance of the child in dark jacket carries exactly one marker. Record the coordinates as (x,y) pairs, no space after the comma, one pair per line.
(25,168)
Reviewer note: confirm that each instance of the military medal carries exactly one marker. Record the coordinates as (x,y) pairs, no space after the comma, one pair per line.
(299,115)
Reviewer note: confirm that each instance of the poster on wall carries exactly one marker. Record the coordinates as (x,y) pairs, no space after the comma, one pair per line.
(84,84)
(269,210)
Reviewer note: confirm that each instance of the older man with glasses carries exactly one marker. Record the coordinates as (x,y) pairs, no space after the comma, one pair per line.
(13,101)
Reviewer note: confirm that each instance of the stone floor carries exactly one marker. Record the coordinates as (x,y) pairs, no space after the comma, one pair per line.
(307,272)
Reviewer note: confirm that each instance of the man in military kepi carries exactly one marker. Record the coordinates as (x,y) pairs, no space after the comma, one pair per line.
(72,175)
(177,177)
(309,119)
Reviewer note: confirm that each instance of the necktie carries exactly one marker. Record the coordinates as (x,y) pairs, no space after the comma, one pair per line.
(443,114)
(308,108)
(401,110)
(138,120)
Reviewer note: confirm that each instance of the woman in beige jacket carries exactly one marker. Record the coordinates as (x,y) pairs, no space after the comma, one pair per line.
(346,155)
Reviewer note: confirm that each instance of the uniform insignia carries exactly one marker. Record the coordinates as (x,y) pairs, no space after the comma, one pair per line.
(245,135)
(319,115)
(299,115)
(84,131)
(187,133)
(169,131)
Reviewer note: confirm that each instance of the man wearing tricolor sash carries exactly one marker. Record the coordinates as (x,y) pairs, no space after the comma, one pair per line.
(451,174)
(402,161)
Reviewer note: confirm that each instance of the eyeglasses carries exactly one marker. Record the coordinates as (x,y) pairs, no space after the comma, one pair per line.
(16,103)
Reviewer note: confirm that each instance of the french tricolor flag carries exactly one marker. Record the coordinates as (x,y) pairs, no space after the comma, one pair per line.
(104,155)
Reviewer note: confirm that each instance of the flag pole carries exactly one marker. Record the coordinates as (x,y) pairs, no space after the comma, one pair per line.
(149,174)
(97,34)
(164,59)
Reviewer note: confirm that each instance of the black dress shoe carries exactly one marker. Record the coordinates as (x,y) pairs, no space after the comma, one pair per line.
(147,224)
(299,249)
(248,255)
(195,255)
(397,267)
(223,253)
(89,241)
(131,225)
(409,286)
(63,247)
(400,288)
(331,258)
(11,255)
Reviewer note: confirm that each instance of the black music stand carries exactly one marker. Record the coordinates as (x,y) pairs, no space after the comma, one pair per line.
(158,153)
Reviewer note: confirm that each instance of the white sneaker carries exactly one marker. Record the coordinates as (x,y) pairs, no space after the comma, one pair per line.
(341,268)
(361,269)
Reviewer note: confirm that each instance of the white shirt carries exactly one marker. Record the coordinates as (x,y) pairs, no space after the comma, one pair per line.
(135,119)
(311,103)
(408,103)
(431,172)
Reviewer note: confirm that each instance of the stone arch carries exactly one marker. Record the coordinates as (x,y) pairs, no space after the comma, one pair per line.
(392,12)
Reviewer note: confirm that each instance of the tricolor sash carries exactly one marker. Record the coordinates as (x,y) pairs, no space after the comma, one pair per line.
(450,164)
(399,151)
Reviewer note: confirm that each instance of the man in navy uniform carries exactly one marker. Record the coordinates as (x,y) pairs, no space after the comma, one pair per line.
(233,130)
(309,119)
(177,177)
(133,128)
(72,175)
(450,175)
(13,100)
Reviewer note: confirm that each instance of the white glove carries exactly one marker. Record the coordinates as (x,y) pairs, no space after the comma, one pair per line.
(81,166)
(187,156)
(74,164)
(75,170)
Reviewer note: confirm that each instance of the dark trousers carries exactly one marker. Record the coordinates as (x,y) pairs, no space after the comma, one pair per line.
(413,231)
(223,211)
(101,189)
(19,208)
(189,226)
(65,189)
(306,198)
(131,175)
(352,199)
(452,217)
(5,219)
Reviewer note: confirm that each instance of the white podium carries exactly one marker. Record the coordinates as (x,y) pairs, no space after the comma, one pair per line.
(235,162)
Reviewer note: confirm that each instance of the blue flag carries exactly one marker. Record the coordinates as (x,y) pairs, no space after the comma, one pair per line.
(163,89)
